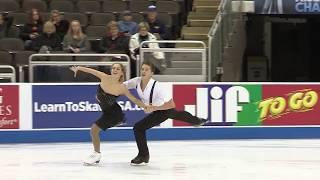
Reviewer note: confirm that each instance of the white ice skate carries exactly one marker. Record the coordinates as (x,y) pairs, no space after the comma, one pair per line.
(93,159)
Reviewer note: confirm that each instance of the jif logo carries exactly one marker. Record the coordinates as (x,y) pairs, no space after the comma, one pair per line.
(219,103)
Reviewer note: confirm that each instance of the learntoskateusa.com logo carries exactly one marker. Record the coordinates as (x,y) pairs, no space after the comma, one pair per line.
(9,107)
(219,104)
(82,106)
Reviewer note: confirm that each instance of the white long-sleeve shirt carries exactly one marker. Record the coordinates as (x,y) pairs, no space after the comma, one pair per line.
(159,94)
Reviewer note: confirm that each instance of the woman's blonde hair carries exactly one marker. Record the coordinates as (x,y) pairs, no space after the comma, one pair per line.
(49,27)
(123,69)
(76,35)
(144,25)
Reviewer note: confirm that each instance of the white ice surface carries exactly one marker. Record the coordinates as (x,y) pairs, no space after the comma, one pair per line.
(194,160)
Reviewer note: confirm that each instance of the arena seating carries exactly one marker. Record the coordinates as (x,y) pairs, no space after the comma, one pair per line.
(95,14)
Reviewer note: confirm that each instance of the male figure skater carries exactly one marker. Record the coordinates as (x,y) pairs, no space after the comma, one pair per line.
(152,93)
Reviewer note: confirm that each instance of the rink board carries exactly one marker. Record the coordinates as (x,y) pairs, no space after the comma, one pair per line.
(45,136)
(64,112)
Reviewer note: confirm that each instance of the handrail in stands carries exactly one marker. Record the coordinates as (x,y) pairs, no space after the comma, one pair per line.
(32,64)
(11,76)
(218,36)
(201,50)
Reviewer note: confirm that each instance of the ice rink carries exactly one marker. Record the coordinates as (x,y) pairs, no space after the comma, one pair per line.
(196,160)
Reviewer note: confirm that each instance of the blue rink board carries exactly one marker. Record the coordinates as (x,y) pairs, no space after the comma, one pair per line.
(45,136)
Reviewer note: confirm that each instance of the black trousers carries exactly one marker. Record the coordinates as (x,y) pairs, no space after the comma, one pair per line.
(154,119)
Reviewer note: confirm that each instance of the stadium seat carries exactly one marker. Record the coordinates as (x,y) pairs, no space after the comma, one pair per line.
(85,6)
(19,19)
(62,6)
(95,32)
(14,32)
(166,19)
(15,47)
(11,44)
(6,58)
(114,6)
(9,6)
(34,4)
(22,57)
(171,7)
(77,16)
(101,19)
(139,6)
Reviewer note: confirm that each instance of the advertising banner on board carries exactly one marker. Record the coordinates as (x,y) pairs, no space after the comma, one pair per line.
(250,105)
(9,107)
(74,106)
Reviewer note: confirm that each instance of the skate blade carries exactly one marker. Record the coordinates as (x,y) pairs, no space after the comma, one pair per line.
(120,124)
(141,164)
(91,164)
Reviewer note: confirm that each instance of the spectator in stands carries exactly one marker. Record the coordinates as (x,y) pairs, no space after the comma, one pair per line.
(145,35)
(157,27)
(5,24)
(32,29)
(126,25)
(48,41)
(62,25)
(75,41)
(114,41)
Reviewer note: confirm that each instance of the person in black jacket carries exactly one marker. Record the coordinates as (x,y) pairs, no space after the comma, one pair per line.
(114,41)
(48,41)
(157,27)
(32,29)
(62,25)
(5,24)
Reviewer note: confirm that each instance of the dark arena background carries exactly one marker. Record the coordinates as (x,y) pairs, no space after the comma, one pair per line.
(237,80)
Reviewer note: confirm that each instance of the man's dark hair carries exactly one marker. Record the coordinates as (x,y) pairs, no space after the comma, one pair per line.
(153,69)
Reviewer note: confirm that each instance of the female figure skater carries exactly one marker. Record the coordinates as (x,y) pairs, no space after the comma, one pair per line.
(109,90)
(163,107)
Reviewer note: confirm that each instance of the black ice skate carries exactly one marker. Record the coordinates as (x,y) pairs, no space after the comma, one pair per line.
(140,160)
(202,122)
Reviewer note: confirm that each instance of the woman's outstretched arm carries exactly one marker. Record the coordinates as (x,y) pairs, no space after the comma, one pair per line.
(94,72)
